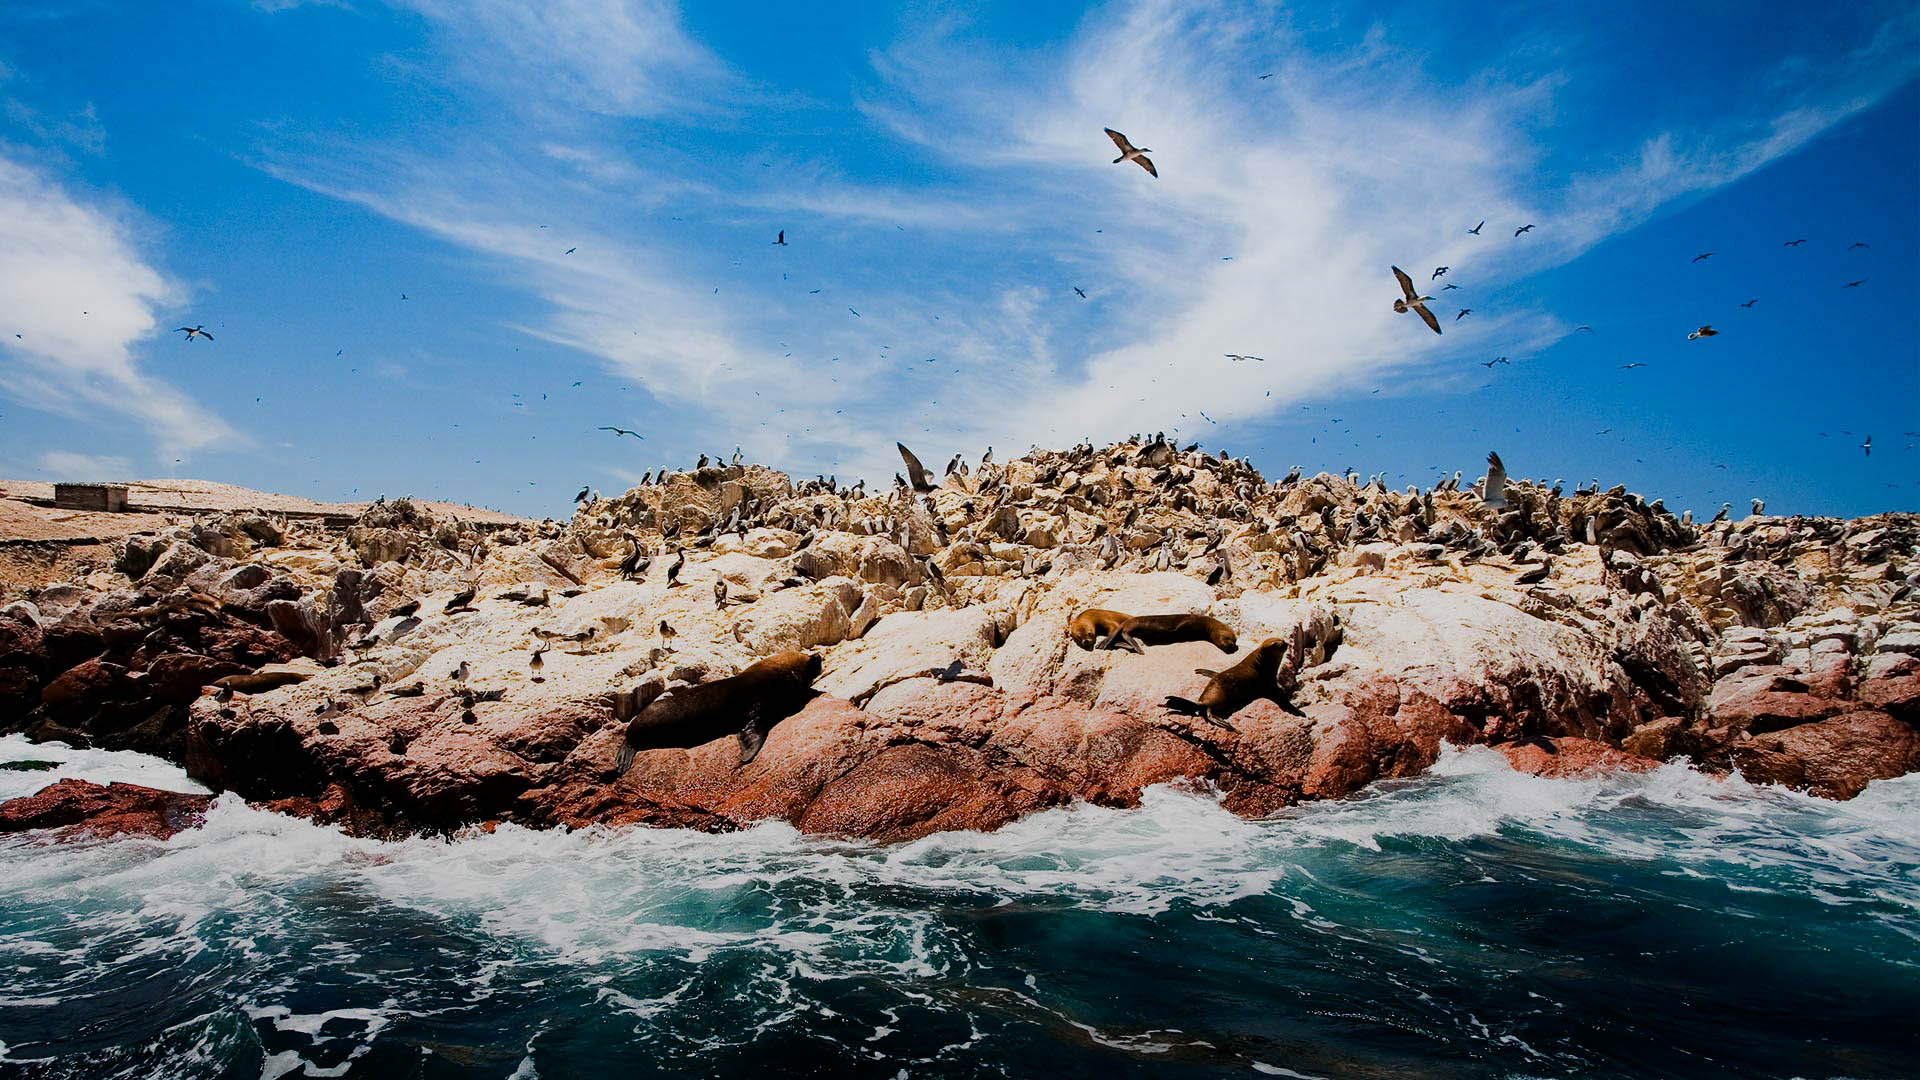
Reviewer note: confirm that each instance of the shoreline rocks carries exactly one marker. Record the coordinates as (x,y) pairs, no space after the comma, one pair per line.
(1573,633)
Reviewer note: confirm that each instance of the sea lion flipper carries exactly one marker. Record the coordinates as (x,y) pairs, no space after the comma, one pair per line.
(752,736)
(1188,706)
(623,758)
(1218,720)
(1205,672)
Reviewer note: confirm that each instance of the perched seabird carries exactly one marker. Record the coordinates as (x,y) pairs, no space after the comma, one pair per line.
(536,664)
(1722,515)
(1702,256)
(1759,507)
(619,431)
(1476,229)
(460,673)
(1705,331)
(1521,229)
(917,474)
(1414,301)
(720,592)
(673,570)
(1535,575)
(191,332)
(582,497)
(1496,491)
(1129,152)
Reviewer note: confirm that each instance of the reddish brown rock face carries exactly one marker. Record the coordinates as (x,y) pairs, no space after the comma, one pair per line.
(1835,759)
(1571,756)
(77,807)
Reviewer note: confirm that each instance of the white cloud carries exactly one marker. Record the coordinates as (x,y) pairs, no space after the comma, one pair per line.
(72,465)
(75,296)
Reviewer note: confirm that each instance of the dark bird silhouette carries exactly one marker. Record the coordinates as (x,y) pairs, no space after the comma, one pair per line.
(917,474)
(1858,244)
(720,592)
(1702,256)
(1521,229)
(1439,271)
(1496,360)
(1476,229)
(674,568)
(1082,292)
(1448,285)
(1705,331)
(1866,448)
(619,431)
(1751,302)
(191,332)
(634,565)
(1464,312)
(461,599)
(1129,152)
(570,251)
(1793,243)
(1854,284)
(781,240)
(1630,367)
(580,498)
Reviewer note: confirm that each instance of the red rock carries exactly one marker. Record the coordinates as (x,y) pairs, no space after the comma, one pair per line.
(1571,756)
(77,807)
(86,686)
(179,677)
(1766,698)
(1833,758)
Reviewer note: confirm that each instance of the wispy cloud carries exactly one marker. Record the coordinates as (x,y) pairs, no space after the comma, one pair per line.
(73,465)
(77,296)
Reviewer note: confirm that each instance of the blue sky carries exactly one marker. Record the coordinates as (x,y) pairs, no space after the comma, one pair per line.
(285,173)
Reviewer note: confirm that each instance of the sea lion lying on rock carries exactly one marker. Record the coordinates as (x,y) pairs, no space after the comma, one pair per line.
(1136,631)
(746,705)
(1271,670)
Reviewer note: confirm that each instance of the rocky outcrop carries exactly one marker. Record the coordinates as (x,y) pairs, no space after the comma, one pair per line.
(1573,632)
(80,808)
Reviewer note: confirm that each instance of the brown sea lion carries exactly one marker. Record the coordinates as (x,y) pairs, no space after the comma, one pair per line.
(1141,630)
(256,682)
(1271,670)
(1090,626)
(746,705)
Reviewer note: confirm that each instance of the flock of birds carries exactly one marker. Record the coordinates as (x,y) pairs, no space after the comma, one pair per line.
(1413,298)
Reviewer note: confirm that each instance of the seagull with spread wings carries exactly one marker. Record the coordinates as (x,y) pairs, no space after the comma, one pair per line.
(619,431)
(1414,302)
(916,472)
(1130,152)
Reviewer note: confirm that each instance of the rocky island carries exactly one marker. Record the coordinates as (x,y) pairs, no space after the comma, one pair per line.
(413,670)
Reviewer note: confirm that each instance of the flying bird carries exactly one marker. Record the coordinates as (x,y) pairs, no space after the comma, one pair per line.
(1129,152)
(916,472)
(781,240)
(1521,229)
(1793,243)
(1496,491)
(1438,271)
(191,332)
(1583,326)
(1082,292)
(1703,256)
(1448,285)
(1630,367)
(1705,331)
(1854,284)
(619,431)
(1867,447)
(1237,357)
(570,250)
(1464,312)
(1857,244)
(1476,229)
(1751,302)
(1414,301)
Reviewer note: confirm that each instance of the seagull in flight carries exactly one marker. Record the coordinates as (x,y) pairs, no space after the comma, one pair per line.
(1703,256)
(619,431)
(1464,312)
(1130,152)
(1237,357)
(191,332)
(1630,367)
(781,240)
(1793,243)
(1414,301)
(1497,360)
(1854,284)
(1521,229)
(1583,326)
(1705,331)
(1448,285)
(1081,291)
(570,251)
(1857,244)
(1867,447)
(1475,231)
(1438,271)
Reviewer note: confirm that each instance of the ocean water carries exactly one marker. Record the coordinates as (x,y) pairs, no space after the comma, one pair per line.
(1473,922)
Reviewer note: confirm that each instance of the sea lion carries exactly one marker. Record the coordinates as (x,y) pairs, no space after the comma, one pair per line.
(1271,670)
(1167,629)
(1088,627)
(260,681)
(747,705)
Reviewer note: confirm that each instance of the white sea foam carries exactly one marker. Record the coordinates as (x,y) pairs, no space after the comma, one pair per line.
(99,766)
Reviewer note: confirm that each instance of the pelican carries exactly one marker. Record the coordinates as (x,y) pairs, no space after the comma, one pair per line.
(1414,301)
(1130,152)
